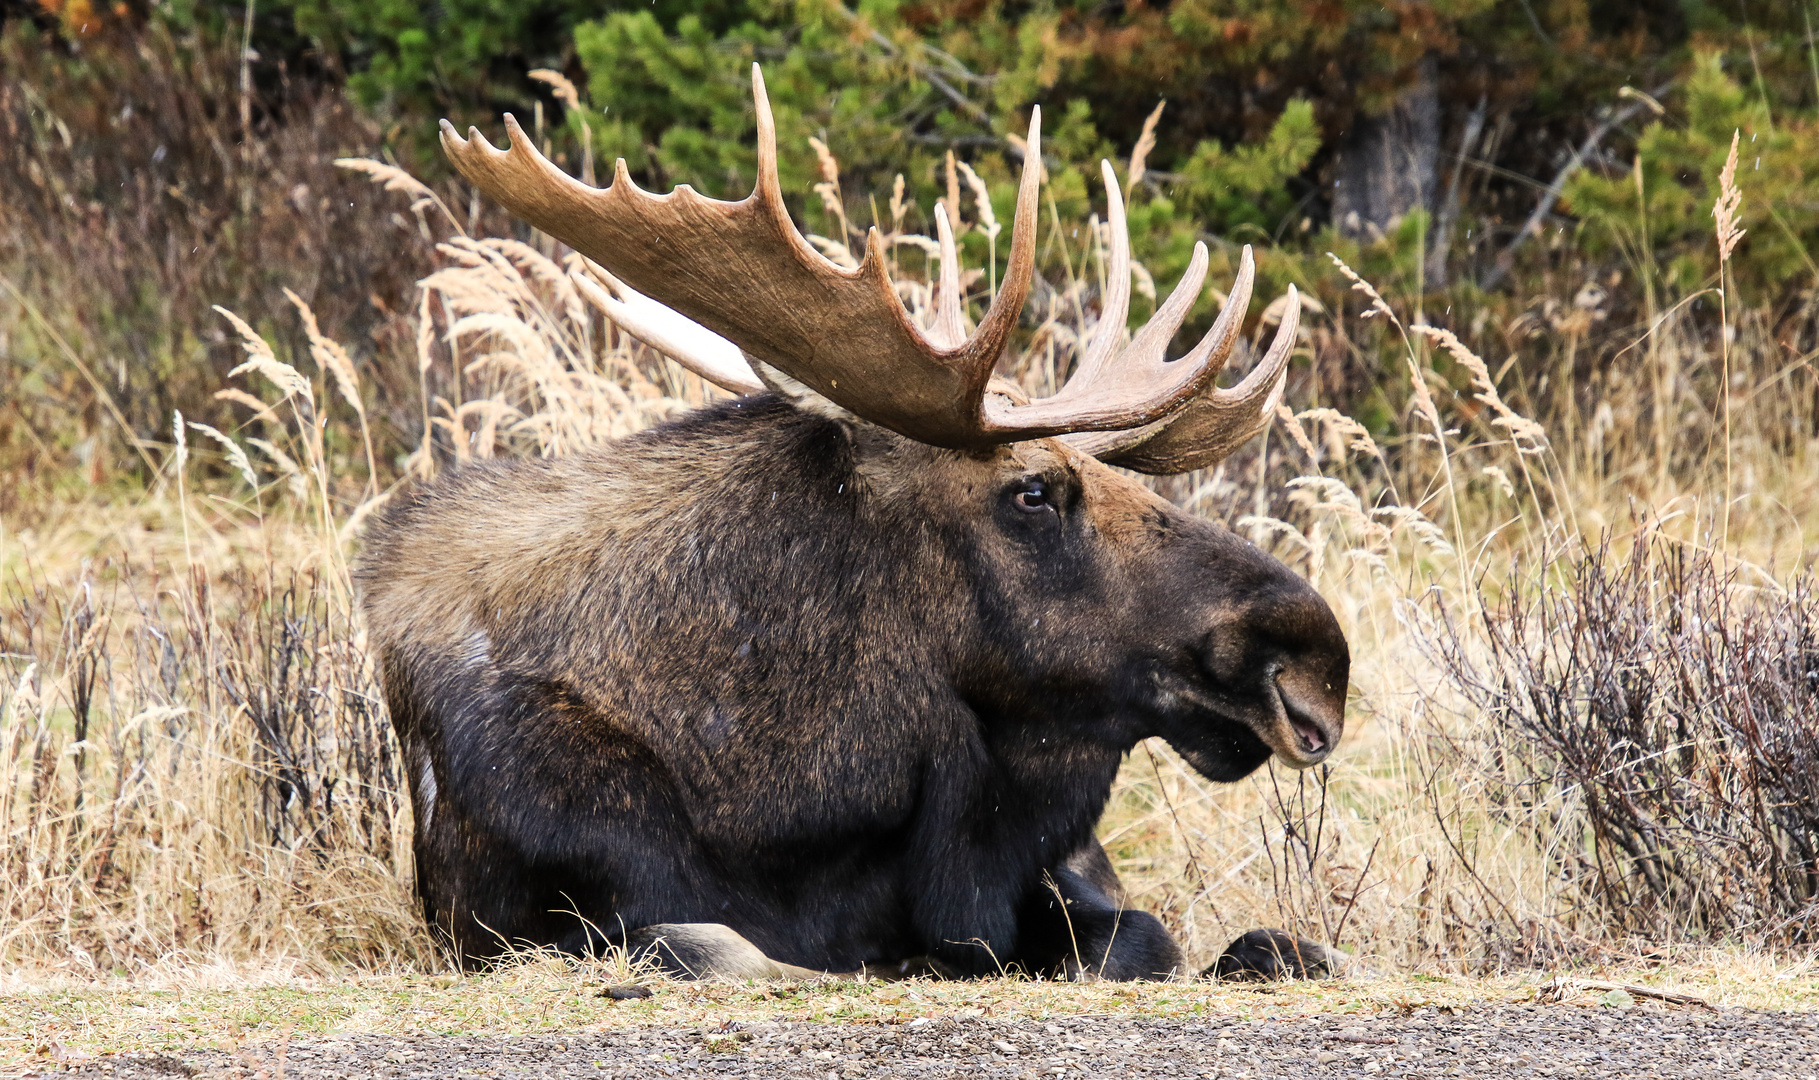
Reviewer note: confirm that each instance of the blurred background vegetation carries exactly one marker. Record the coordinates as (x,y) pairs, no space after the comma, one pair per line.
(1526,172)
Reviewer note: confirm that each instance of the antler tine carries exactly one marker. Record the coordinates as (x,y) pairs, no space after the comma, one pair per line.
(1115,306)
(994,331)
(768,193)
(948,328)
(1213,424)
(678,337)
(1214,349)
(1223,336)
(1141,372)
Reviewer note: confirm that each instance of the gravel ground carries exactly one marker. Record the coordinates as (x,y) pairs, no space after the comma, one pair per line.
(1489,1040)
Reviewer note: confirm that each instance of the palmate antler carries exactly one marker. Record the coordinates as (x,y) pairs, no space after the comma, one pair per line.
(715,283)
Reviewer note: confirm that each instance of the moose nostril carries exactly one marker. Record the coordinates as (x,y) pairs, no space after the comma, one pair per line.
(1311,739)
(1309,731)
(1310,735)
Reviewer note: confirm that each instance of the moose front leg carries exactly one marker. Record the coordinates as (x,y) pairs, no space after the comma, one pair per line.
(967,918)
(1074,923)
(710,951)
(966,888)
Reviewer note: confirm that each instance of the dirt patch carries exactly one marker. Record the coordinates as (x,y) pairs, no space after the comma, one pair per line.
(1492,1040)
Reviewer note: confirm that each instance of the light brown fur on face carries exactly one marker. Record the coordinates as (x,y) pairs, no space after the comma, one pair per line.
(946,483)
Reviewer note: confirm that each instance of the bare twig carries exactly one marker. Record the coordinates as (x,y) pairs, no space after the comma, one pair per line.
(1449,206)
(1551,195)
(1560,985)
(934,78)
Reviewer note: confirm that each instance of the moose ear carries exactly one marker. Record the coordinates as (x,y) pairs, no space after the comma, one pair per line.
(800,394)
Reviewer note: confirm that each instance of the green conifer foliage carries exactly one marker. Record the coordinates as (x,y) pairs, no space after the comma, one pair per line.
(1566,177)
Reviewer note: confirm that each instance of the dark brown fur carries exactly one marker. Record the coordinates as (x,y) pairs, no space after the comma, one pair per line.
(792,673)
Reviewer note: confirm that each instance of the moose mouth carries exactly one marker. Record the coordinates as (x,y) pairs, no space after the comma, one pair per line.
(1308,736)
(1308,741)
(1283,728)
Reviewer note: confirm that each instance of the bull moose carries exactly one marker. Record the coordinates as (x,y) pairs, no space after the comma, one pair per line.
(845,665)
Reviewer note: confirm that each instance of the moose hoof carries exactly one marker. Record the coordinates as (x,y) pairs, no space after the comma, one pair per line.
(1262,955)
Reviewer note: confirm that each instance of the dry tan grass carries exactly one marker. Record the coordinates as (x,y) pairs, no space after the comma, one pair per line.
(175,818)
(1405,852)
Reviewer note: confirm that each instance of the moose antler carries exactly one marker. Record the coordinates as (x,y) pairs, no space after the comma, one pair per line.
(683,340)
(1215,421)
(705,277)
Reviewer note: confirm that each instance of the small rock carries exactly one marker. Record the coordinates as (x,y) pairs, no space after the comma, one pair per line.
(1325,1057)
(625,992)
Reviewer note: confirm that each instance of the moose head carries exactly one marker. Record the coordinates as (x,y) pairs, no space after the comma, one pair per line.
(848,663)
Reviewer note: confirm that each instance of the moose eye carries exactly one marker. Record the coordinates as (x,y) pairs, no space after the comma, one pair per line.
(1033,497)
